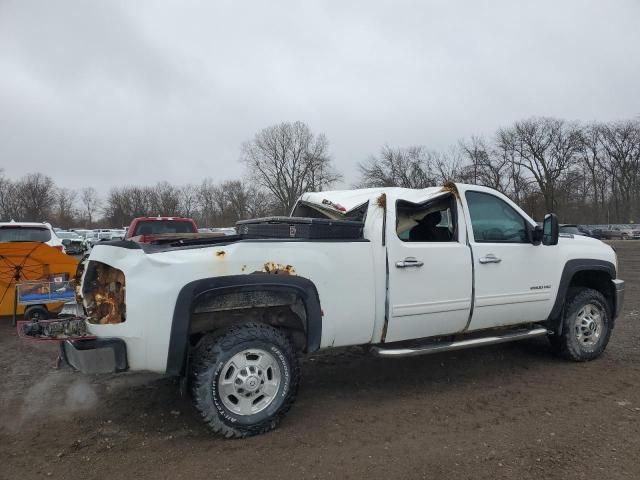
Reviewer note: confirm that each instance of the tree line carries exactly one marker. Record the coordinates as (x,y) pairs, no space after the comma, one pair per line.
(586,173)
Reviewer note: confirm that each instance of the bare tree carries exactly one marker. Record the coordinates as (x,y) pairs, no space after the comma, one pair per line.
(117,209)
(65,212)
(207,203)
(450,167)
(621,141)
(166,199)
(245,201)
(546,147)
(9,202)
(489,166)
(287,160)
(188,195)
(90,203)
(588,173)
(143,201)
(410,167)
(593,158)
(36,194)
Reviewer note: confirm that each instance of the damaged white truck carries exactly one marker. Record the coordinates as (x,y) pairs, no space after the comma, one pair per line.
(407,272)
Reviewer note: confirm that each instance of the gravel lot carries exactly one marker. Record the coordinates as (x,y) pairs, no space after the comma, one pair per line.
(509,411)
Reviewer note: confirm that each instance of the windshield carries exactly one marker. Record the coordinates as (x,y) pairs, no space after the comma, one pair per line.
(24,234)
(157,227)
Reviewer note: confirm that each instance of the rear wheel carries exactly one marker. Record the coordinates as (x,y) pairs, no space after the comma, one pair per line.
(587,327)
(245,380)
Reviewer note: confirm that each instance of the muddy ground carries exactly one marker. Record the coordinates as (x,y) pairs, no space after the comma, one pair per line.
(510,411)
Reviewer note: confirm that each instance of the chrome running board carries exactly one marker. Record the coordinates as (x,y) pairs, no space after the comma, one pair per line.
(459,344)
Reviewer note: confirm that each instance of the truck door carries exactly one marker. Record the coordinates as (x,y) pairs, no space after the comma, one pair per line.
(513,278)
(429,269)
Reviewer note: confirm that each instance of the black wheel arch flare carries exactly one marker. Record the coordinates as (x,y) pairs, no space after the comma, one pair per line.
(177,358)
(571,268)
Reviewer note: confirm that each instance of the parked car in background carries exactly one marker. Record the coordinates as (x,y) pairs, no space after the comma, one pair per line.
(84,234)
(607,234)
(635,234)
(30,232)
(105,236)
(627,232)
(118,234)
(588,232)
(73,243)
(143,229)
(573,229)
(99,235)
(224,230)
(91,238)
(219,230)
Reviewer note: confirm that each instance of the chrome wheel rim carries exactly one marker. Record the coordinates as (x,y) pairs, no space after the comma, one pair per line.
(249,381)
(589,325)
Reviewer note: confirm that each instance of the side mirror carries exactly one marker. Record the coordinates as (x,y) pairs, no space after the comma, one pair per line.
(66,242)
(535,235)
(550,229)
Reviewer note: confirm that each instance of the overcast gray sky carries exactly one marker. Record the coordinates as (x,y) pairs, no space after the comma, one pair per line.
(105,93)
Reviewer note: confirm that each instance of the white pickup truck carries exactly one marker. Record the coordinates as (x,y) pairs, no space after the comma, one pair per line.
(407,272)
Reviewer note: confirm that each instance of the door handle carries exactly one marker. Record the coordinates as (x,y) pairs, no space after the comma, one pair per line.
(409,262)
(489,258)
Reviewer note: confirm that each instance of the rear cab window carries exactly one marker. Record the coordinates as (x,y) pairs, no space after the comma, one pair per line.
(432,221)
(24,234)
(158,227)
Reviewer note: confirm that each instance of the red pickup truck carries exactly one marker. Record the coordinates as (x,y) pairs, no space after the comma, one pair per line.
(143,229)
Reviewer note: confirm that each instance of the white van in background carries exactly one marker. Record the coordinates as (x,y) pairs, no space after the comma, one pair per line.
(30,232)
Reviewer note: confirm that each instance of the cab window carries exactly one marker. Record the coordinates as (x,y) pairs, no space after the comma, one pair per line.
(495,221)
(24,234)
(158,227)
(427,222)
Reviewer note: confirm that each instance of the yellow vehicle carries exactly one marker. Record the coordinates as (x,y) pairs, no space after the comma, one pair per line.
(37,268)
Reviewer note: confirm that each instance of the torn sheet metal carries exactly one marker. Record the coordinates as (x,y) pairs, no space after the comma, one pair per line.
(104,295)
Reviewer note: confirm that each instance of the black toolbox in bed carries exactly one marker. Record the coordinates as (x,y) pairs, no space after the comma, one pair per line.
(299,227)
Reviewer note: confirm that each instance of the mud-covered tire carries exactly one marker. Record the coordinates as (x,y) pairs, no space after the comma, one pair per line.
(212,358)
(579,341)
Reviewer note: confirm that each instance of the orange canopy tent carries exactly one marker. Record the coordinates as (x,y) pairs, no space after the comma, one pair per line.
(29,261)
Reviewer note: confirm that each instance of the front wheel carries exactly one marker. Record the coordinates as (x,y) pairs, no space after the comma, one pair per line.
(587,327)
(245,380)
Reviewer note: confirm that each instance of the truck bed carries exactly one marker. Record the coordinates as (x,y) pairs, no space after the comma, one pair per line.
(266,229)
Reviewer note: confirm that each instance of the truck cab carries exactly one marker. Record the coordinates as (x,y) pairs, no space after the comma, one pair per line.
(470,259)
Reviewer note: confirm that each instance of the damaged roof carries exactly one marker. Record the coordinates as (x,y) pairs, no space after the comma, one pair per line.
(350,199)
